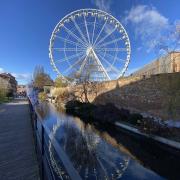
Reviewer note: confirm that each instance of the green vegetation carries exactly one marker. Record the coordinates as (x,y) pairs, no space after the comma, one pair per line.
(4,95)
(42,96)
(169,84)
(40,78)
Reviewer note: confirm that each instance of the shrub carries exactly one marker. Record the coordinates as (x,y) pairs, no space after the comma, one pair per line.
(42,96)
(135,118)
(3,94)
(73,104)
(151,126)
(61,94)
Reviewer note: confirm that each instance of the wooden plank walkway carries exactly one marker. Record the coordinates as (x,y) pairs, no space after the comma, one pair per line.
(17,152)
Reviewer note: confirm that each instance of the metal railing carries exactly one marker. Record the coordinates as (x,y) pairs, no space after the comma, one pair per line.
(44,138)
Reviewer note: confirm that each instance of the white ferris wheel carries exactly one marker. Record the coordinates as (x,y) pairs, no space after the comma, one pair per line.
(89,43)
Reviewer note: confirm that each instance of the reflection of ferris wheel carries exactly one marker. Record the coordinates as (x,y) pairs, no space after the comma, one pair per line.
(89,43)
(89,157)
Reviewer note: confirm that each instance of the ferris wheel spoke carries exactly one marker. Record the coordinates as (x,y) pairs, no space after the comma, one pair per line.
(85,22)
(110,42)
(111,49)
(70,57)
(79,30)
(73,65)
(99,33)
(69,49)
(69,41)
(93,30)
(83,64)
(118,59)
(105,37)
(109,64)
(73,35)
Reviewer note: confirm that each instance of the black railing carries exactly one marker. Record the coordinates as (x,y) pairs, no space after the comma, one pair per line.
(51,168)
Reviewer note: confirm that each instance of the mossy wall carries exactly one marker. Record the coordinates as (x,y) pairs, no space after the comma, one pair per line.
(158,95)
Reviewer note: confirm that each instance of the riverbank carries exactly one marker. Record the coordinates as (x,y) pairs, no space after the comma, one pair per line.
(109,114)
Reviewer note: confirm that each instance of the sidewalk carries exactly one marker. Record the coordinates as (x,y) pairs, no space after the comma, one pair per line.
(17,152)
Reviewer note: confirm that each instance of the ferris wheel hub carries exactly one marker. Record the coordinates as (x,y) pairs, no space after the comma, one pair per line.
(89,50)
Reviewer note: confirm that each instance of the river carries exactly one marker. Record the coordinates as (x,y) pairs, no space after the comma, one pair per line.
(104,152)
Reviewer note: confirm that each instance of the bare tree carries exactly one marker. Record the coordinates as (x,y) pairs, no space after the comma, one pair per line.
(81,88)
(40,78)
(85,88)
(60,82)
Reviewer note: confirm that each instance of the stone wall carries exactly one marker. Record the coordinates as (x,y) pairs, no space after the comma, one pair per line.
(166,64)
(158,95)
(98,89)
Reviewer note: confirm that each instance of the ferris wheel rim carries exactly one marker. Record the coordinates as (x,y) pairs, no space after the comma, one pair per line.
(89,10)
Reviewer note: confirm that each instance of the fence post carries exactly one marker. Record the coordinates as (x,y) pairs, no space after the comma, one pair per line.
(42,152)
(35,121)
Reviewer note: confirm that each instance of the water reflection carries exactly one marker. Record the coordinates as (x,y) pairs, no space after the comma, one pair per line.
(91,156)
(94,154)
(43,110)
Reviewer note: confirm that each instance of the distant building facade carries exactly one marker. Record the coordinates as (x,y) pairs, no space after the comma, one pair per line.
(7,81)
(167,64)
(21,90)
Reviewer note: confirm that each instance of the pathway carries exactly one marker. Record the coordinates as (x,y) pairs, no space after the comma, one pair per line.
(17,153)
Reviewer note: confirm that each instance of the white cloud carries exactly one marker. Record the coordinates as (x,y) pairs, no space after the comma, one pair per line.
(24,77)
(148,24)
(1,70)
(102,4)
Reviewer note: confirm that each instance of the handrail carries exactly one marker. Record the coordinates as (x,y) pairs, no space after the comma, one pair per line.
(71,171)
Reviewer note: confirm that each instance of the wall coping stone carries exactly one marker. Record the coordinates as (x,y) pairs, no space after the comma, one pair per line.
(162,140)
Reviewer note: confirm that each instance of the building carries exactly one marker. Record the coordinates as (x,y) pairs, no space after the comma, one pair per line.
(7,81)
(166,64)
(21,90)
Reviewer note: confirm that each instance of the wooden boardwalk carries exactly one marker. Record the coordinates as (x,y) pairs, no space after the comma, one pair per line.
(17,152)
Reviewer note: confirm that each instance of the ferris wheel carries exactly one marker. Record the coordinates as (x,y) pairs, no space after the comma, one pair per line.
(89,44)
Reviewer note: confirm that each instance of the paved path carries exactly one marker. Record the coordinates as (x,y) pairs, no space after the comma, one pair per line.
(17,153)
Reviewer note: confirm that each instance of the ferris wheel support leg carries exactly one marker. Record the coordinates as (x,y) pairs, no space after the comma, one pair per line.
(99,63)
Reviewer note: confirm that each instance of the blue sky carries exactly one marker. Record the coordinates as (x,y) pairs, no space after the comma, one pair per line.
(26,27)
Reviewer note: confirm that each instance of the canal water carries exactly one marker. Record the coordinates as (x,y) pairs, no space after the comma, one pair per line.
(97,153)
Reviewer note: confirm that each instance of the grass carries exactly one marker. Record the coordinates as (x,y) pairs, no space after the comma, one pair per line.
(5,99)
